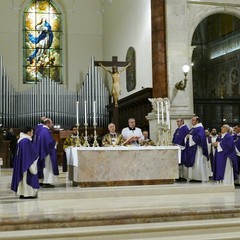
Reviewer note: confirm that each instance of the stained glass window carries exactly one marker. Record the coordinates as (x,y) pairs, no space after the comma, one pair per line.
(42,42)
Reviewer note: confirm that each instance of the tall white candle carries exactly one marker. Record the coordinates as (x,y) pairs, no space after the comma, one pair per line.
(167,114)
(94,112)
(162,110)
(158,118)
(77,104)
(85,112)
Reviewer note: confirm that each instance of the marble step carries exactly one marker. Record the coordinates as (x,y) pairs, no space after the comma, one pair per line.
(6,178)
(217,229)
(82,212)
(128,191)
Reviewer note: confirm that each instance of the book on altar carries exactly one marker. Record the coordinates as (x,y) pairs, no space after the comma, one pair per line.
(131,139)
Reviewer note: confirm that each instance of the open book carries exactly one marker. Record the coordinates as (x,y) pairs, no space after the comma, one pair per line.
(131,139)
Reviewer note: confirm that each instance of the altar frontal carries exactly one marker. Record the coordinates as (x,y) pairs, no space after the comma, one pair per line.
(122,165)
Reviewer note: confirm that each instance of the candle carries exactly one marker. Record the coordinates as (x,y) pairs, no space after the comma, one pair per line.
(94,112)
(85,112)
(77,103)
(162,112)
(158,120)
(167,114)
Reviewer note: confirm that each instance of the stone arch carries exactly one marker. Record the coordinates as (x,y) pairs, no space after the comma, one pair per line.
(212,69)
(201,15)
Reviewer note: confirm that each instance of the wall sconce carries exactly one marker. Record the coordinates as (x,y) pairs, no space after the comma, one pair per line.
(182,84)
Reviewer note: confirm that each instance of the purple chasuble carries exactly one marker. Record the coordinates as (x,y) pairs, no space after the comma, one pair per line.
(179,136)
(199,137)
(25,157)
(220,158)
(46,146)
(36,133)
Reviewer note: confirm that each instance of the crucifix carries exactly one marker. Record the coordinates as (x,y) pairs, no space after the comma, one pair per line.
(116,91)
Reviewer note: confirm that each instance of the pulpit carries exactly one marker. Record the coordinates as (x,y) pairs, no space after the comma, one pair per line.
(109,166)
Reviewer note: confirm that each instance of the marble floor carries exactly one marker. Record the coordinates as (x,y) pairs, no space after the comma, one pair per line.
(66,207)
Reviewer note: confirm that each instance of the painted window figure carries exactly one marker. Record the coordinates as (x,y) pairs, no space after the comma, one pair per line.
(43,41)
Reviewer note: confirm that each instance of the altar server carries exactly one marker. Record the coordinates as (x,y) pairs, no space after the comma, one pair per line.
(47,164)
(25,178)
(71,141)
(225,166)
(131,134)
(196,152)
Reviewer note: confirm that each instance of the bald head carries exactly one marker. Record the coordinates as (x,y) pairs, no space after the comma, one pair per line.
(111,127)
(48,122)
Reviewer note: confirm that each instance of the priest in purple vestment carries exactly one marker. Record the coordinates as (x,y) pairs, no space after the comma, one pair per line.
(47,164)
(225,166)
(180,134)
(25,179)
(178,139)
(37,130)
(236,138)
(196,152)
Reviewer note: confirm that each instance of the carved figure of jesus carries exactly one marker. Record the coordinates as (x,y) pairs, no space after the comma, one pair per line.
(116,90)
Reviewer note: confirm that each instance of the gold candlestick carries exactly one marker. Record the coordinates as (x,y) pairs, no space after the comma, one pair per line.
(95,143)
(85,138)
(77,143)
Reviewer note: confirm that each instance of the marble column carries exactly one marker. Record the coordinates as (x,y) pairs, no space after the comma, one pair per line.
(159,63)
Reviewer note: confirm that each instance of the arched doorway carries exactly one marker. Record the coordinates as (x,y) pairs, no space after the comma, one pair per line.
(216,70)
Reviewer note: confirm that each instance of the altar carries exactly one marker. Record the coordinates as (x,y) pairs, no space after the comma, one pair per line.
(109,166)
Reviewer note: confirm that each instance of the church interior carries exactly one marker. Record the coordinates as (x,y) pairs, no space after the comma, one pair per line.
(70,79)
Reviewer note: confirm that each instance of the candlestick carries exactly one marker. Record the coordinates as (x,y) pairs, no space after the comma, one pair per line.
(158,118)
(95,143)
(94,112)
(86,136)
(77,103)
(85,112)
(162,112)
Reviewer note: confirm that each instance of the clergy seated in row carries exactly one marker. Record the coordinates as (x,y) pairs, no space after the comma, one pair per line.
(196,152)
(112,138)
(25,178)
(225,165)
(71,141)
(146,141)
(46,149)
(131,134)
